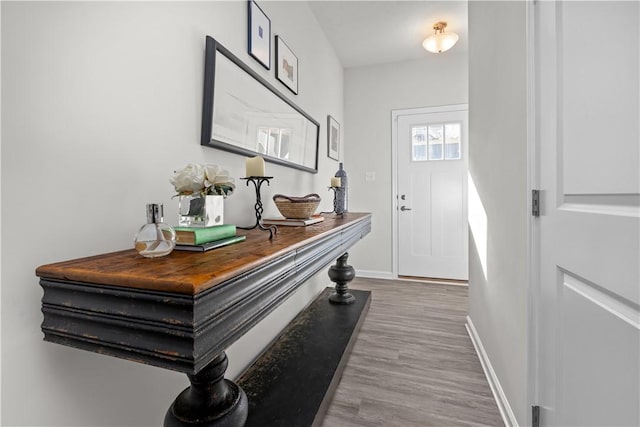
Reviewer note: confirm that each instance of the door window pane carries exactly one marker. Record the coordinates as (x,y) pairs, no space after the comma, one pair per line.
(420,153)
(452,141)
(419,143)
(435,139)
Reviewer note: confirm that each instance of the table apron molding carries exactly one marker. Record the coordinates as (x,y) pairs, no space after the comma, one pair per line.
(178,331)
(138,305)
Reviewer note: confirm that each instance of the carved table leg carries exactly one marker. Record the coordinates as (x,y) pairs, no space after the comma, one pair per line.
(210,401)
(341,274)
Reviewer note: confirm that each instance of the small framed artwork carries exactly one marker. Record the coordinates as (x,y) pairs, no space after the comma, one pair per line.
(259,35)
(333,138)
(286,65)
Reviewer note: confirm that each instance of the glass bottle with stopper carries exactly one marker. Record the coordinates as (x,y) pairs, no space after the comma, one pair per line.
(342,192)
(155,238)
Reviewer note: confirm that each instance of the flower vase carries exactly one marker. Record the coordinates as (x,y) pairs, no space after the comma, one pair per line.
(197,210)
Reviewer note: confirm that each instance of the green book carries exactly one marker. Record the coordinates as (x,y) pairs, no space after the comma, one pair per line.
(211,245)
(200,235)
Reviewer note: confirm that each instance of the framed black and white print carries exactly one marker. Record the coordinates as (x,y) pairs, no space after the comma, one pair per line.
(259,35)
(286,65)
(333,138)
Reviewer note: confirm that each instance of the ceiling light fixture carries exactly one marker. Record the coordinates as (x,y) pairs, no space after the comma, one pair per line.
(440,41)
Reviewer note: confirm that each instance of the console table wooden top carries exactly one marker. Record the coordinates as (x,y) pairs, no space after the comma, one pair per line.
(190,273)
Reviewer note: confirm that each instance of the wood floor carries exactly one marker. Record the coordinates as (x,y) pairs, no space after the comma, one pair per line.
(413,363)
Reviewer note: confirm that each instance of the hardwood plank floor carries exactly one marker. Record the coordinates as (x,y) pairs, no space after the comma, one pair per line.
(413,363)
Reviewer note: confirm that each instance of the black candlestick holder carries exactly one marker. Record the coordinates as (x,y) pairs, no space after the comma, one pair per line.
(257,182)
(336,191)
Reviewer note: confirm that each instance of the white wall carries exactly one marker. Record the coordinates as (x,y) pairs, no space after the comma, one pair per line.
(371,93)
(498,168)
(100,103)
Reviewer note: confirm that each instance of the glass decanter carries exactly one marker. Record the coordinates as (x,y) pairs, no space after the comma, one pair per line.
(155,238)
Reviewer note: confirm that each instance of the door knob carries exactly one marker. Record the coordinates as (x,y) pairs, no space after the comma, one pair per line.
(404,208)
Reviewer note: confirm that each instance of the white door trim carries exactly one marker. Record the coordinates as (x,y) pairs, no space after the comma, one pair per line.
(533,245)
(394,167)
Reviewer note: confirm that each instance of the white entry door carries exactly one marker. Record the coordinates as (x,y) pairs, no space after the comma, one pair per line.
(588,320)
(432,153)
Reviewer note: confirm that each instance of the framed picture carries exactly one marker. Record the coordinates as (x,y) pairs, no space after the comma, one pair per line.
(286,65)
(333,138)
(259,35)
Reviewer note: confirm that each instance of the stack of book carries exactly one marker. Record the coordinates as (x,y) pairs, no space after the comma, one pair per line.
(201,239)
(293,222)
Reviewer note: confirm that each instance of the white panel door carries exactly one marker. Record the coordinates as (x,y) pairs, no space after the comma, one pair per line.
(587,56)
(432,194)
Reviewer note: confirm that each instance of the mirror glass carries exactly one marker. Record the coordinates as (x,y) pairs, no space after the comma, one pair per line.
(244,114)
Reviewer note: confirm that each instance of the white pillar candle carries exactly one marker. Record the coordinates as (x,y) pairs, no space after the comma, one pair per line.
(255,166)
(335,181)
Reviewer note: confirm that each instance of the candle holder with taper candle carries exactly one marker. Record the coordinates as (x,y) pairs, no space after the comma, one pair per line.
(255,175)
(336,188)
(257,182)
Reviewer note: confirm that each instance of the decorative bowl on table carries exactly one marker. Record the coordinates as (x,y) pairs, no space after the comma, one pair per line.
(297,207)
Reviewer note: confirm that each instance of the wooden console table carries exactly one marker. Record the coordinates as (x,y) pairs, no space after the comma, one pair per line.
(182,311)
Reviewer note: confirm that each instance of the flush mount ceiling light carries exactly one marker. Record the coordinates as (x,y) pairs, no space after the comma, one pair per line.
(440,41)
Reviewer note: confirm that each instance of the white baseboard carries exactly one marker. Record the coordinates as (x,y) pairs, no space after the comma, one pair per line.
(506,412)
(373,274)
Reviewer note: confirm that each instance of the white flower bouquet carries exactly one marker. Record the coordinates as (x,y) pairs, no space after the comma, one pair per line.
(204,179)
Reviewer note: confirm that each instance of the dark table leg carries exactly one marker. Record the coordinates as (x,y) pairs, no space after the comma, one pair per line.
(211,400)
(341,274)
